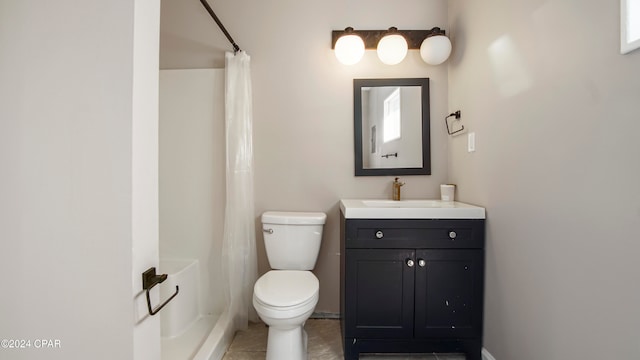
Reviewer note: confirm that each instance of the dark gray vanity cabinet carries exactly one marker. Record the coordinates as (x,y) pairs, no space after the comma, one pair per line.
(412,286)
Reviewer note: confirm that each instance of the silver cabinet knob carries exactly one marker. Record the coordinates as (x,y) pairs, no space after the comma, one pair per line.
(379,234)
(410,263)
(422,263)
(452,234)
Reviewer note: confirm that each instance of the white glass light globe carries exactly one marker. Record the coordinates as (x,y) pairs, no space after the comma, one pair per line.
(349,49)
(435,49)
(392,49)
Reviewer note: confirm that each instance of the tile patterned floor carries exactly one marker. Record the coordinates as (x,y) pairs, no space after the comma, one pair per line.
(324,344)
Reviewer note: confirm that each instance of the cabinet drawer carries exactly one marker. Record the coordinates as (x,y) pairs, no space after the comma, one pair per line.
(412,233)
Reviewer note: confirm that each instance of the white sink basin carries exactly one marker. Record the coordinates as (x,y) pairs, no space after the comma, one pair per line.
(409,209)
(405,203)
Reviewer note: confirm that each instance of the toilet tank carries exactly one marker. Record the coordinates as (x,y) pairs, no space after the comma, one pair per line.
(292,239)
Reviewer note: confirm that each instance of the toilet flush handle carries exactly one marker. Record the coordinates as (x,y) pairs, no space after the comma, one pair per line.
(268,231)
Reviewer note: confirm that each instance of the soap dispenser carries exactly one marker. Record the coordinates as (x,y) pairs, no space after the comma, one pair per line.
(396,189)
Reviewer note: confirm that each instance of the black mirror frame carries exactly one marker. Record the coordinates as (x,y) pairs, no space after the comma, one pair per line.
(358,84)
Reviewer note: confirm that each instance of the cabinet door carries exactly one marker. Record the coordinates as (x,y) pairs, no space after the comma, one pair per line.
(379,293)
(449,295)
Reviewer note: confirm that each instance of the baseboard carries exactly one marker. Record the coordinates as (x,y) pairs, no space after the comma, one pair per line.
(324,315)
(486,355)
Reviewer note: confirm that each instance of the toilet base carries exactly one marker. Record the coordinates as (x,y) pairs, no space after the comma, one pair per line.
(287,343)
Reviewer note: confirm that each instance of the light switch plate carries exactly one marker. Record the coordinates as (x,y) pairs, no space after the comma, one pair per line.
(471,142)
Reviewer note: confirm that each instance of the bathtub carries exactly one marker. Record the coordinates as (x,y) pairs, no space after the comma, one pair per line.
(187,333)
(183,310)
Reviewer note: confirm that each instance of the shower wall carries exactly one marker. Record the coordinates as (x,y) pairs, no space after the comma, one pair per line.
(192,174)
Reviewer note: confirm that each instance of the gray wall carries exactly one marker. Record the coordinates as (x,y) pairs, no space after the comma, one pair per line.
(78,175)
(303,102)
(555,109)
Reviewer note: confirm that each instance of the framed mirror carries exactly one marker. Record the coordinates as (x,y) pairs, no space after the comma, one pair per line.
(391,126)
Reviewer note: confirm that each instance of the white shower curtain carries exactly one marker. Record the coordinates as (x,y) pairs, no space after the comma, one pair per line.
(239,243)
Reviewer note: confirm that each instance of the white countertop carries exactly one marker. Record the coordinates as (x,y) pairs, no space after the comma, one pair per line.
(409,209)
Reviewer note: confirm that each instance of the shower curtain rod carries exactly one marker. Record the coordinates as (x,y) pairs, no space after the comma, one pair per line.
(236,48)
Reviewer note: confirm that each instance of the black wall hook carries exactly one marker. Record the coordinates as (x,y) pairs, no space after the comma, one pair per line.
(457,116)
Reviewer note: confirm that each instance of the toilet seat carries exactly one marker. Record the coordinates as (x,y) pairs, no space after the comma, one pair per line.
(282,293)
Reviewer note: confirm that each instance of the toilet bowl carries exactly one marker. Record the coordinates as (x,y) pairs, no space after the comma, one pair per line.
(284,300)
(285,297)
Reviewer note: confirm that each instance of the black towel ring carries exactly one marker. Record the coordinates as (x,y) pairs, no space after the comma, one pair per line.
(149,280)
(457,116)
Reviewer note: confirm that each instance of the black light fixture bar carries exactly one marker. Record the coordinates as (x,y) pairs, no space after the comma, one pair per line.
(372,37)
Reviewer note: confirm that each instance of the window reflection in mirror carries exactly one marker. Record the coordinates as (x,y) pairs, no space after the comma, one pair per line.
(392,116)
(391,119)
(629,25)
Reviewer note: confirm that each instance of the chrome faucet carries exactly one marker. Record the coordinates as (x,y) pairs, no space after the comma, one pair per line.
(396,189)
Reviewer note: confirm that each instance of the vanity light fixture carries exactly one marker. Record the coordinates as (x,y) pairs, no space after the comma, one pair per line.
(436,48)
(391,45)
(349,47)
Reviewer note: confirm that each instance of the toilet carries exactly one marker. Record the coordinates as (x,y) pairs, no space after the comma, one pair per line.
(286,296)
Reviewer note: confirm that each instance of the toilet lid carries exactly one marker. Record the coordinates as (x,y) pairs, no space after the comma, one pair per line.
(286,287)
